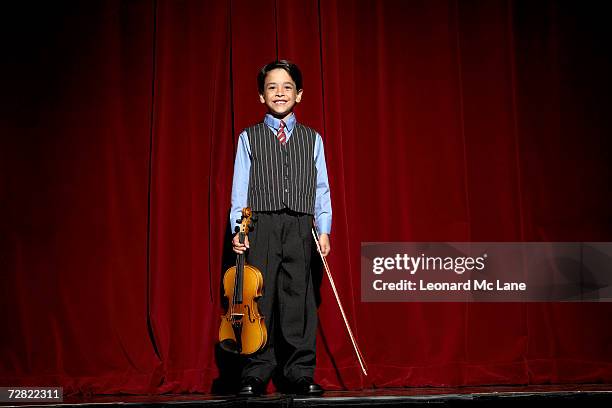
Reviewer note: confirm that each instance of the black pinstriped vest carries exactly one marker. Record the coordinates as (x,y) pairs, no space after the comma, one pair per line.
(282,175)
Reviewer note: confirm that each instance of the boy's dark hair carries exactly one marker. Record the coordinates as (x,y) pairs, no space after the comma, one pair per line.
(292,69)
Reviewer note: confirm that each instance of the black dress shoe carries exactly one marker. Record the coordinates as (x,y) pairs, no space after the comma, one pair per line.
(251,387)
(307,386)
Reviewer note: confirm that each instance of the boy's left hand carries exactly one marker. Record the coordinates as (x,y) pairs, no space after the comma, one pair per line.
(324,244)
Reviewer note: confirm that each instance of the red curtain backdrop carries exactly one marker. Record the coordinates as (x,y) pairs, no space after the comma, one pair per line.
(442,121)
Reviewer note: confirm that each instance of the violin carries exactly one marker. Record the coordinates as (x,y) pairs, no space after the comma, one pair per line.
(242,329)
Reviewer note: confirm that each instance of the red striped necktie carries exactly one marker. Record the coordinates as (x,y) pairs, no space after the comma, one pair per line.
(281,133)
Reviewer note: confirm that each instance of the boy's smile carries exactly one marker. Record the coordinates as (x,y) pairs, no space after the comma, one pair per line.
(280,94)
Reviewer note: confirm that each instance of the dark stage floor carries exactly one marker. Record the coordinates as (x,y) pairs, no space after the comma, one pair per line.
(595,395)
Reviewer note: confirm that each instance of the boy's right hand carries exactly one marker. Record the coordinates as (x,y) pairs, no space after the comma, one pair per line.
(237,247)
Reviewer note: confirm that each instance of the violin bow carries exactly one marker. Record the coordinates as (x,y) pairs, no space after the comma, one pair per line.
(346,323)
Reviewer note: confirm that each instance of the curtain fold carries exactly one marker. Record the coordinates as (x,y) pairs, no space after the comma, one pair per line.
(74,199)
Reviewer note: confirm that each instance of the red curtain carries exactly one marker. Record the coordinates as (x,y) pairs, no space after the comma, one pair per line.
(442,121)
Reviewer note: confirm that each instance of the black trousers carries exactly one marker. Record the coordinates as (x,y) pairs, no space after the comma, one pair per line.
(280,247)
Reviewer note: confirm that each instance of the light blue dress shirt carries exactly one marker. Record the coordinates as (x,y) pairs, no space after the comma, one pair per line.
(242,168)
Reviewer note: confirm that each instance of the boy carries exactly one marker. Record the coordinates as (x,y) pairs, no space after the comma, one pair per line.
(280,172)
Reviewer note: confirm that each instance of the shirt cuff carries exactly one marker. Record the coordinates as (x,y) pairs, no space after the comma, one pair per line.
(324,225)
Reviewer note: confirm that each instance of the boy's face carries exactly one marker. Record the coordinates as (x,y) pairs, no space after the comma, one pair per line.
(280,93)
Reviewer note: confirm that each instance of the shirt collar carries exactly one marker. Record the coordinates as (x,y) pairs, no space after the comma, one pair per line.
(275,123)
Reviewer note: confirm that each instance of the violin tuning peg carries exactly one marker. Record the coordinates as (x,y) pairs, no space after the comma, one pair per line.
(236,229)
(238,221)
